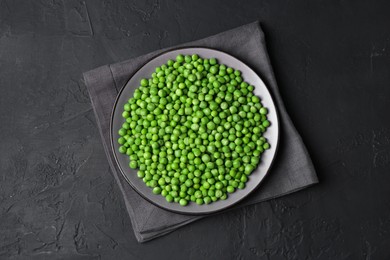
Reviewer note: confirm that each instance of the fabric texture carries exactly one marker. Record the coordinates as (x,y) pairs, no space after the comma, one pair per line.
(292,169)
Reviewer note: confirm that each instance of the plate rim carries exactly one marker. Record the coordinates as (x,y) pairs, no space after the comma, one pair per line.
(134,186)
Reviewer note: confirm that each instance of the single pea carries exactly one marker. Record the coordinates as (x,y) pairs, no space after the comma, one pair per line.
(156,190)
(187,58)
(234,184)
(263,111)
(183,202)
(248,169)
(218,185)
(144,82)
(133,164)
(230,189)
(205,158)
(180,58)
(195,57)
(141,174)
(169,198)
(241,185)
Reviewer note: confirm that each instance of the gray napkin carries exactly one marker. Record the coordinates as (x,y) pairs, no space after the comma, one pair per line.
(291,171)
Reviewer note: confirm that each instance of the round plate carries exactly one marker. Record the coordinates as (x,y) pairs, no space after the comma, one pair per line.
(272,133)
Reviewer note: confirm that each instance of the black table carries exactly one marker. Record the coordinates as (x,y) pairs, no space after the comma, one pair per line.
(57,198)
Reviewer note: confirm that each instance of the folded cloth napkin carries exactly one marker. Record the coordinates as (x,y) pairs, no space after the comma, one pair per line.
(292,169)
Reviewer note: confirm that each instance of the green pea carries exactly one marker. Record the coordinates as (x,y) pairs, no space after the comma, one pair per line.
(230,189)
(156,190)
(169,198)
(180,58)
(207,200)
(263,111)
(183,202)
(133,164)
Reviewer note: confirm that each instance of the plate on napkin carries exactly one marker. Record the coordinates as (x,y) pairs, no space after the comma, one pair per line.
(272,133)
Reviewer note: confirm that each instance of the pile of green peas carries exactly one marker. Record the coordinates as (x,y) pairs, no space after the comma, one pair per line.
(194,130)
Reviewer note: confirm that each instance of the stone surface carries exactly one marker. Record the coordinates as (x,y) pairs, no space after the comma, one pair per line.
(57,198)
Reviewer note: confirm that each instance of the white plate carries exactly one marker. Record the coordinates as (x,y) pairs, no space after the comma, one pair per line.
(272,133)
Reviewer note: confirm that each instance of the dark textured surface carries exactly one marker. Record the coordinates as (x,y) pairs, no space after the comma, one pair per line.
(57,200)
